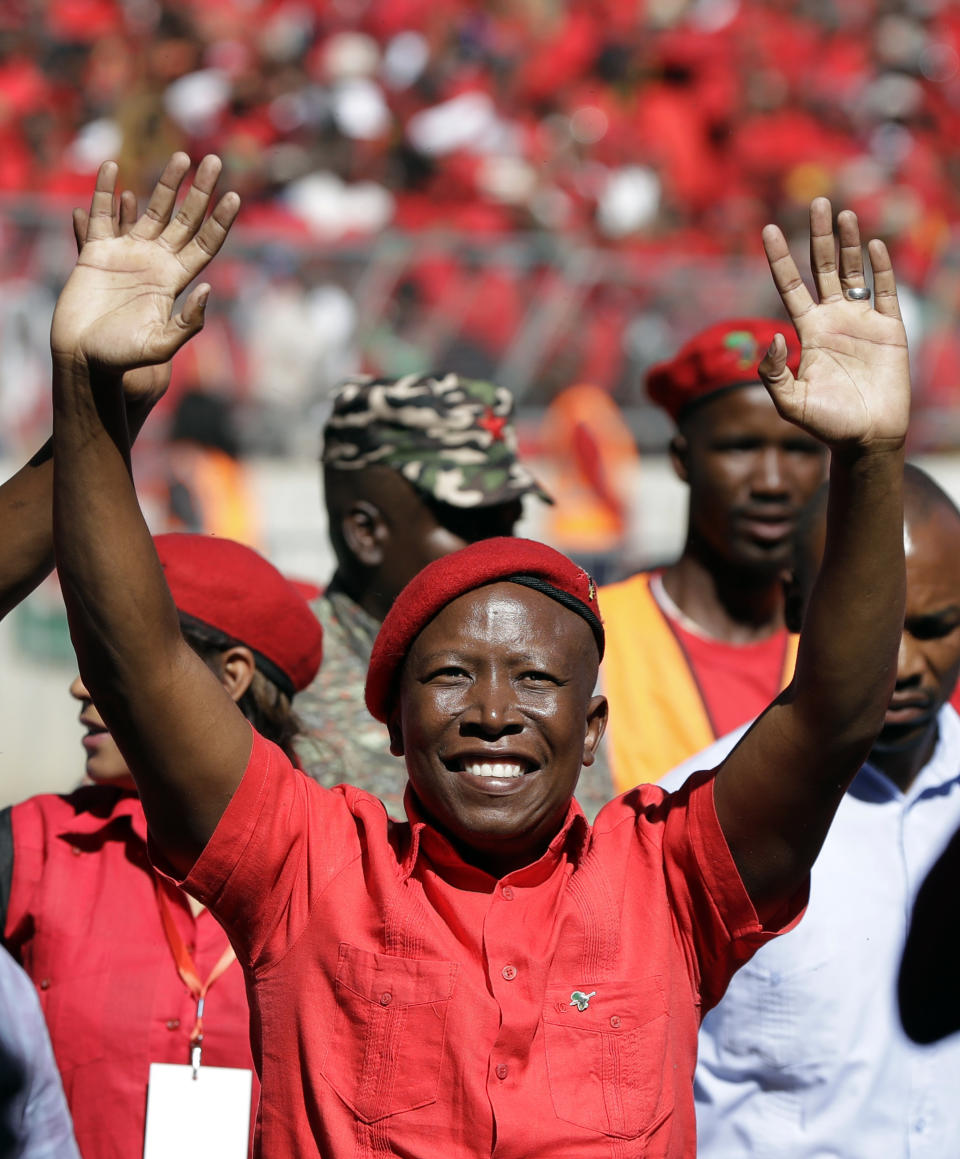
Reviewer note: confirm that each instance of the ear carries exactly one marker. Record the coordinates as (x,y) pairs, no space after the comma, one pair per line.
(237,667)
(597,713)
(396,735)
(679,457)
(365,532)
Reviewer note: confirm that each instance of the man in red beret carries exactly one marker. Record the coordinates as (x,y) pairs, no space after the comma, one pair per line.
(699,647)
(492,975)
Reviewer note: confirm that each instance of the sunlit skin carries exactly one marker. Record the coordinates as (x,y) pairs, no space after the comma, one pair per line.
(928,662)
(502,676)
(749,472)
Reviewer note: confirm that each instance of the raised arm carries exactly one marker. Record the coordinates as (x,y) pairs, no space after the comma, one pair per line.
(778,790)
(26,498)
(184,740)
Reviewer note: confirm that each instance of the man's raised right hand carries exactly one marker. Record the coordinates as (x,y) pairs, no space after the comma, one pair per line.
(116,310)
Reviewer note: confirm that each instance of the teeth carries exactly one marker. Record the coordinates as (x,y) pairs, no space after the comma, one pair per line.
(476,769)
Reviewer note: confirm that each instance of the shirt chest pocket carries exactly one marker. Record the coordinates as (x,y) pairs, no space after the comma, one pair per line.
(387,1046)
(606,1047)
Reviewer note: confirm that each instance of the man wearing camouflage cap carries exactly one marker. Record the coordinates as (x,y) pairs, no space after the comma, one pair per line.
(413,468)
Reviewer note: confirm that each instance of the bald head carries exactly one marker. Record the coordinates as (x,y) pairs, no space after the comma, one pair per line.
(924,501)
(928,661)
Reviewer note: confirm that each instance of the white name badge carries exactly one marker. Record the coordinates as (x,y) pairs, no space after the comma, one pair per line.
(207,1117)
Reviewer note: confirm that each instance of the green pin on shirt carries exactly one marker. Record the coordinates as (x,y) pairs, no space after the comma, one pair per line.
(581,1000)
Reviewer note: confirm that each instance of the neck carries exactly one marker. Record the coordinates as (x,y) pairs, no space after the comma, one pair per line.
(902,763)
(736,605)
(372,600)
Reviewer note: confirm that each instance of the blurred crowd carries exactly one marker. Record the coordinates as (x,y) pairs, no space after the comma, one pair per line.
(636,147)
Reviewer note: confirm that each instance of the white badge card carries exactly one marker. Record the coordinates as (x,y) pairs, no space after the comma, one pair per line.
(207,1117)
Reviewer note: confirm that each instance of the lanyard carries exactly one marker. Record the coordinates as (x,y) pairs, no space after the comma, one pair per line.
(186,967)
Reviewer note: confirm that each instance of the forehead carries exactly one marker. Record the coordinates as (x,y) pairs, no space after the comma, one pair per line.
(743,409)
(507,617)
(932,547)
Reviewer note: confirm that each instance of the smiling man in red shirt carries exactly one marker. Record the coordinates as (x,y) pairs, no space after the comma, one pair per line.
(493,975)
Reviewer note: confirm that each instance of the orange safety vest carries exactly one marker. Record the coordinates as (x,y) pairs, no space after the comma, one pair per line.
(658,716)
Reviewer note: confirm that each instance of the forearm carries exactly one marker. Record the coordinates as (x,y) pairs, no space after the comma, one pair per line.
(846,663)
(157,697)
(26,529)
(96,523)
(26,518)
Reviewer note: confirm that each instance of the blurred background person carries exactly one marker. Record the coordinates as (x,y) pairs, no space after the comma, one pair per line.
(208,487)
(591,464)
(700,646)
(805,1054)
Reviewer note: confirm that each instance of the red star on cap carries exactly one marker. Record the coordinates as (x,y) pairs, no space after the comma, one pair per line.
(493,423)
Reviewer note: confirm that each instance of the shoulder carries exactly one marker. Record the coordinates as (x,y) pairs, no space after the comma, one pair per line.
(633,587)
(647,809)
(707,758)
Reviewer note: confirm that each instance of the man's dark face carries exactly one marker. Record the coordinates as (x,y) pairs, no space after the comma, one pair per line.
(928,662)
(749,472)
(496,715)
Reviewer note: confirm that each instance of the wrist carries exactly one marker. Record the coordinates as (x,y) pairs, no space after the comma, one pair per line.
(854,452)
(73,368)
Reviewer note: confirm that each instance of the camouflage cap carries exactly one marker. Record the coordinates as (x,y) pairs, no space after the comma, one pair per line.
(451,437)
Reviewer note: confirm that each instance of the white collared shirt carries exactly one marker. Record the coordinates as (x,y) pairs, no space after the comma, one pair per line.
(805,1058)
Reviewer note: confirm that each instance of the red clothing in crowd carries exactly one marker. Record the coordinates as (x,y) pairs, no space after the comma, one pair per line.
(83,920)
(406,1003)
(736,681)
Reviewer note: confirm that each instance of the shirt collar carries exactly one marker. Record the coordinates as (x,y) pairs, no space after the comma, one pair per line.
(429,843)
(939,773)
(98,807)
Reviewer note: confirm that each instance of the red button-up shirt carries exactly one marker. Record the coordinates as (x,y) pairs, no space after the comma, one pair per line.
(406,1003)
(83,920)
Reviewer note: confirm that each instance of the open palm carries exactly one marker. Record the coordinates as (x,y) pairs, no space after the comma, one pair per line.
(116,310)
(853,381)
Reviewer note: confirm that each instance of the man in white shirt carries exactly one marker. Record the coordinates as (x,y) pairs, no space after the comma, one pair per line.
(805,1056)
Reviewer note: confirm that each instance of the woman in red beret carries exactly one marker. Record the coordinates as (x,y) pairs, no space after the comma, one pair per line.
(492,975)
(119,954)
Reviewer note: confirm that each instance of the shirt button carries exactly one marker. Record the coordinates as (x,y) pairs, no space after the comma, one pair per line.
(173,1023)
(75,851)
(614,1020)
(386,998)
(44,983)
(509,972)
(507,893)
(502,1070)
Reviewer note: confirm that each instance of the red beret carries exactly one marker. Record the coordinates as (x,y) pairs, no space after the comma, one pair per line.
(233,589)
(489,561)
(719,358)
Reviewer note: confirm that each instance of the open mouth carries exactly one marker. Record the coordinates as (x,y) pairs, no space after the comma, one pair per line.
(502,769)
